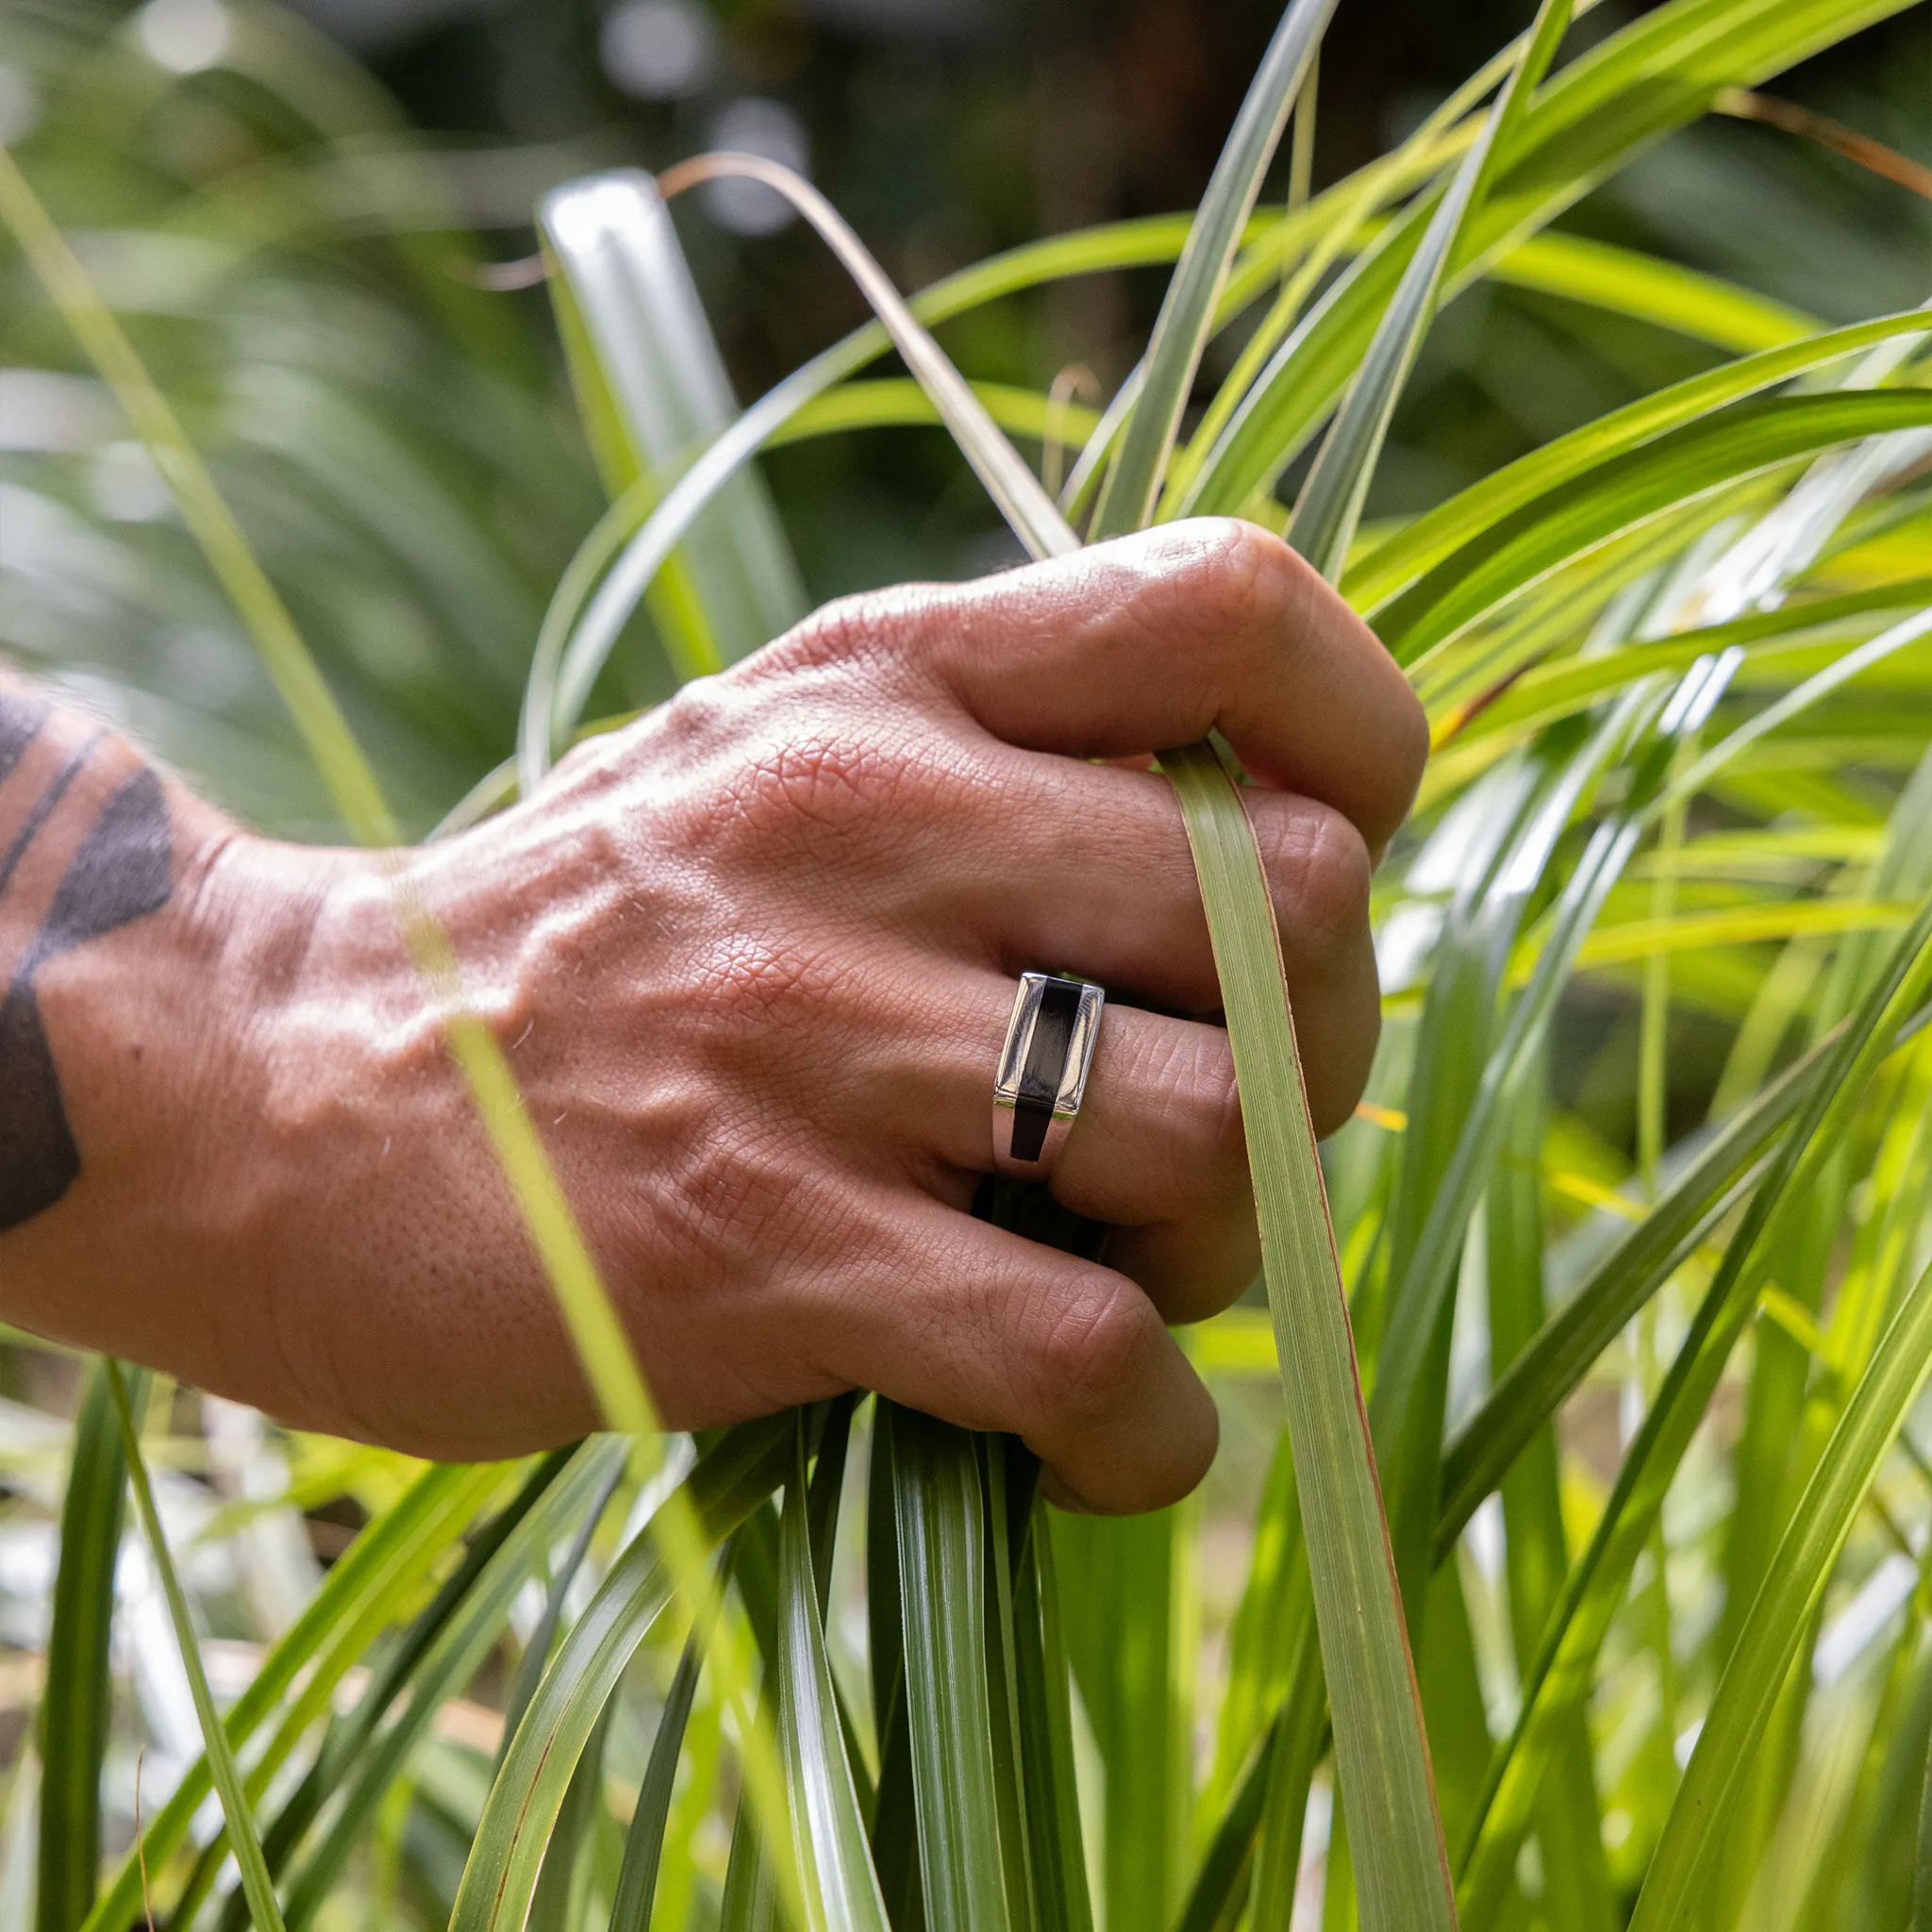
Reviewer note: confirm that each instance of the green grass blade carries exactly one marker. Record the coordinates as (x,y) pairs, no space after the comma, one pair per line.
(536,1655)
(1656,480)
(1330,504)
(835,1874)
(446,1664)
(1117,1604)
(1533,1387)
(1392,567)
(727,1484)
(651,384)
(1410,1369)
(1576,1884)
(644,1844)
(943,1590)
(1299,1741)
(1041,1682)
(1132,483)
(344,1737)
(256,1882)
(1383,1759)
(382,1571)
(75,1708)
(1007,1483)
(1654,74)
(351,782)
(1647,288)
(1257,1659)
(1549,691)
(1922,1885)
(1772,1633)
(1566,1655)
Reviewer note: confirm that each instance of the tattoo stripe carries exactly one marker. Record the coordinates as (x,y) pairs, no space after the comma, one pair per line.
(20,724)
(43,808)
(120,870)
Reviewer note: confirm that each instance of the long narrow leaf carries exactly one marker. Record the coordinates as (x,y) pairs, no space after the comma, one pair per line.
(1133,482)
(1330,502)
(75,1709)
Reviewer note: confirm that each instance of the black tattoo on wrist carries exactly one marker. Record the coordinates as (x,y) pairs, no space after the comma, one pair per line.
(120,870)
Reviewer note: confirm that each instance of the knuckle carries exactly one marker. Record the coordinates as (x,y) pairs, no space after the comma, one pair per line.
(1324,874)
(1090,1344)
(810,777)
(1242,580)
(1197,1112)
(746,982)
(863,632)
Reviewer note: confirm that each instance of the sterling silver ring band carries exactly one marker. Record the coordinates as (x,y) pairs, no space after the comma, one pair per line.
(1042,1071)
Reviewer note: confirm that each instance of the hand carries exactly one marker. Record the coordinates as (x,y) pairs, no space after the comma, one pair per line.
(752,958)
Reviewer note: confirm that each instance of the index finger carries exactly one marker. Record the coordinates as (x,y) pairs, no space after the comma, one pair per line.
(1151,640)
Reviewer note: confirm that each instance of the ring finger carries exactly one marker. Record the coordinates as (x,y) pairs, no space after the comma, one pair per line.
(1157,1150)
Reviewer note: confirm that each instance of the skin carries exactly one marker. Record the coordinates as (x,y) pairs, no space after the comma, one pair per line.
(752,958)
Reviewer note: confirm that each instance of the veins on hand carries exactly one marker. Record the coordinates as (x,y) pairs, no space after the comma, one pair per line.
(120,870)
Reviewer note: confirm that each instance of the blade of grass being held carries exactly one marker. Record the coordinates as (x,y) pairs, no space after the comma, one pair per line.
(71,1733)
(1379,1746)
(256,1882)
(1132,483)
(1330,502)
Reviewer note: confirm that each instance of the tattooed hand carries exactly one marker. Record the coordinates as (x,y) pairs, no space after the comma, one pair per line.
(752,959)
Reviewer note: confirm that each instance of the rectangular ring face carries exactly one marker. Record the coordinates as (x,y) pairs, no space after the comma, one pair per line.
(1049,1044)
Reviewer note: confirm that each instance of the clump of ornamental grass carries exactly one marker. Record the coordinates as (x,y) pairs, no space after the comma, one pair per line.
(1585,1586)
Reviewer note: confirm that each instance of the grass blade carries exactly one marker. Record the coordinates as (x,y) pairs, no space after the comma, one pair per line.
(1779,1619)
(378,1577)
(651,386)
(351,782)
(729,1482)
(1383,1759)
(1330,502)
(75,1708)
(835,1877)
(1576,1884)
(1132,483)
(256,1882)
(445,1664)
(1596,1585)
(1655,480)
(1654,74)
(943,1590)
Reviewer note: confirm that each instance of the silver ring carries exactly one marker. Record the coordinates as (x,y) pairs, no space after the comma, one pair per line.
(1042,1071)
